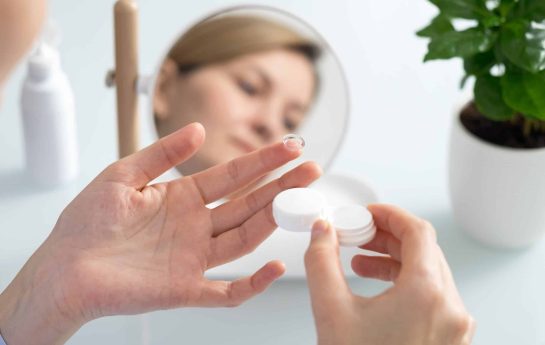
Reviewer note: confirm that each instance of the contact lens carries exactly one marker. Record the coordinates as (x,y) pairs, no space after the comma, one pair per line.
(293,142)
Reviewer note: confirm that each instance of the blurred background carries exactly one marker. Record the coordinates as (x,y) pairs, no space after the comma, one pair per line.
(400,115)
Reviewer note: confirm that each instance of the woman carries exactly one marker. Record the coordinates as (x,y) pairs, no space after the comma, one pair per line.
(123,246)
(247,79)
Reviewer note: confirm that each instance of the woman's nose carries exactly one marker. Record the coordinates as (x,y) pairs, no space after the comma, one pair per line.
(268,124)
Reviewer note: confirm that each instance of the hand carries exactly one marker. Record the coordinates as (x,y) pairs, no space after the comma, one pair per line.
(422,307)
(125,247)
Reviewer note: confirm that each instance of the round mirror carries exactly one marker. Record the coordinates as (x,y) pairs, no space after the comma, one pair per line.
(251,75)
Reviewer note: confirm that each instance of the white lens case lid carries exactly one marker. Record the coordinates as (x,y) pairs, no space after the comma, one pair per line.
(297,209)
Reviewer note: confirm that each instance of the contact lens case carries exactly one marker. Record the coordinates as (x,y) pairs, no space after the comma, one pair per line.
(297,209)
(339,199)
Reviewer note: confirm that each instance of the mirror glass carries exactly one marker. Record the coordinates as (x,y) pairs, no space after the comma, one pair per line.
(251,75)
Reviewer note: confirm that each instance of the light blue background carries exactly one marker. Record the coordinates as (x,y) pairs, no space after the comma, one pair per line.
(398,138)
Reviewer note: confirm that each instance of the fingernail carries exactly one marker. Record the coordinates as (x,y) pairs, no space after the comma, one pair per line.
(319,228)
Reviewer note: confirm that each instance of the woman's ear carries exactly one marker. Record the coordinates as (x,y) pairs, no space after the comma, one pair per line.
(165,88)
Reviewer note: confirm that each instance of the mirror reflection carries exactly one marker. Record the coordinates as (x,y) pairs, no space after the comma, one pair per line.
(249,78)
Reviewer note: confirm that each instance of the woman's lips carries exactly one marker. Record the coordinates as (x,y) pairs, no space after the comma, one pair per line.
(243,145)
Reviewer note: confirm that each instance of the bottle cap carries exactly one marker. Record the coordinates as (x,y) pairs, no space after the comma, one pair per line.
(42,61)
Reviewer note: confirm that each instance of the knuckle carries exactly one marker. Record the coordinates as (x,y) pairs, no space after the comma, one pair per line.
(426,273)
(116,168)
(281,183)
(234,304)
(169,155)
(308,257)
(118,171)
(461,325)
(243,238)
(270,217)
(331,323)
(430,296)
(233,170)
(393,246)
(266,159)
(249,249)
(234,298)
(428,228)
(252,202)
(247,246)
(392,273)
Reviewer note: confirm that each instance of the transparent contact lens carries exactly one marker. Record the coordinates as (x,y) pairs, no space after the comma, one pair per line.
(293,142)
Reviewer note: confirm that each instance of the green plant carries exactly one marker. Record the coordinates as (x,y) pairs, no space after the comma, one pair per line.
(504,49)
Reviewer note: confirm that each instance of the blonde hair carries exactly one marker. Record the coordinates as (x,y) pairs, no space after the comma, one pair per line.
(226,37)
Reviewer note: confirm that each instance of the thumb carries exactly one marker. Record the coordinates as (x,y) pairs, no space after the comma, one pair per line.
(325,277)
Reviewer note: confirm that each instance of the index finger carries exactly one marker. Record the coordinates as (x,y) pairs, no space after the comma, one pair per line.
(140,168)
(222,180)
(417,236)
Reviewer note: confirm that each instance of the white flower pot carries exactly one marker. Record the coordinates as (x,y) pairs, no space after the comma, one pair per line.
(497,193)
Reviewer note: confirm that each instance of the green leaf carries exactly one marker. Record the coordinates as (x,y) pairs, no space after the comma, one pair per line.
(488,98)
(439,25)
(479,64)
(460,43)
(523,43)
(533,9)
(491,21)
(467,9)
(506,6)
(525,92)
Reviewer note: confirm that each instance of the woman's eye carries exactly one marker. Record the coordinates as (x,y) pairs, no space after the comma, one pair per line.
(289,124)
(248,88)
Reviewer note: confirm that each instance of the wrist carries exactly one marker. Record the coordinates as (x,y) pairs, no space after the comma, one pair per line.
(33,308)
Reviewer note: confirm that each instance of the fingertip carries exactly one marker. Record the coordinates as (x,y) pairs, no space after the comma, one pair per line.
(293,152)
(372,206)
(356,263)
(277,268)
(320,225)
(375,243)
(363,266)
(375,267)
(190,136)
(315,171)
(270,272)
(198,125)
(320,229)
(198,130)
(376,208)
(314,168)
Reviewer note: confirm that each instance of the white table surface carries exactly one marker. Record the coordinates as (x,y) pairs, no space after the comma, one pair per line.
(398,136)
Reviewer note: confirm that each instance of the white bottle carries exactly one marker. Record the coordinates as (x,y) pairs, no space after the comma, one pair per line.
(49,123)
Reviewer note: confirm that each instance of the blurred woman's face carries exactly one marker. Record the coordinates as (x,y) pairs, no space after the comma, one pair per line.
(244,103)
